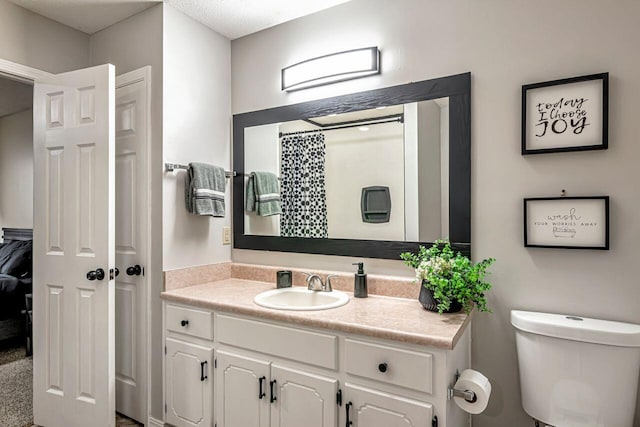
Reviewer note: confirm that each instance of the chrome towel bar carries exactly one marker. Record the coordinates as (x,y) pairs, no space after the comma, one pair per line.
(170,167)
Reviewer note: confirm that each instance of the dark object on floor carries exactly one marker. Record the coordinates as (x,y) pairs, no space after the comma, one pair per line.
(28,317)
(122,421)
(15,280)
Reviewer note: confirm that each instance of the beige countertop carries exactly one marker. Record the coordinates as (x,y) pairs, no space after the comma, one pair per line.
(397,319)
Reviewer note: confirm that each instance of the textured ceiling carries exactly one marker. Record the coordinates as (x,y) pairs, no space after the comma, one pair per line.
(88,16)
(15,97)
(231,18)
(237,18)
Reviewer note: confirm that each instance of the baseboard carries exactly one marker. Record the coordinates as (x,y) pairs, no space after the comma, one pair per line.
(155,423)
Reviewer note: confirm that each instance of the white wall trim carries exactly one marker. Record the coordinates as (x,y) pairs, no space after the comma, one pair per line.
(155,423)
(22,72)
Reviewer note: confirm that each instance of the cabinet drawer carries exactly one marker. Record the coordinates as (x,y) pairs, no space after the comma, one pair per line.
(190,321)
(389,364)
(291,343)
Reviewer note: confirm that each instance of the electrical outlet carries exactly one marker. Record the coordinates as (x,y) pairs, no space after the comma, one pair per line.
(226,235)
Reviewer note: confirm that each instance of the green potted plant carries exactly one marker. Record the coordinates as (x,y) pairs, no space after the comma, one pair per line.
(450,281)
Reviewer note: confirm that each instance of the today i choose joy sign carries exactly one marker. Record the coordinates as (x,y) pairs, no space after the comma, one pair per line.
(564,115)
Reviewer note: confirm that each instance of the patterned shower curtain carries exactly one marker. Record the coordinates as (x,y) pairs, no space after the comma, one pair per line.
(303,194)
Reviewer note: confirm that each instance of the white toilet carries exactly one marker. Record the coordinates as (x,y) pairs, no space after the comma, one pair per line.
(577,372)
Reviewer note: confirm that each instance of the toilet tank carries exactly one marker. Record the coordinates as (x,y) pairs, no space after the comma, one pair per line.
(575,371)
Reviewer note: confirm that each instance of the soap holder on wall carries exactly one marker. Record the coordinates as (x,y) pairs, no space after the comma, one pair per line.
(375,204)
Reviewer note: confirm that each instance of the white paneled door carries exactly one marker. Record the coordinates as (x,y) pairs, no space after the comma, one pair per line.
(74,249)
(131,243)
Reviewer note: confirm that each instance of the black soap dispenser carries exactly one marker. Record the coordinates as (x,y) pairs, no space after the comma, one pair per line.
(360,282)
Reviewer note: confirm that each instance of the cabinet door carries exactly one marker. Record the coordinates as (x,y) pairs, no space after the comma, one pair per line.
(303,399)
(242,391)
(371,408)
(189,383)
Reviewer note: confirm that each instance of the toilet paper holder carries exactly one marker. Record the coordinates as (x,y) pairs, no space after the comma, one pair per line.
(467,395)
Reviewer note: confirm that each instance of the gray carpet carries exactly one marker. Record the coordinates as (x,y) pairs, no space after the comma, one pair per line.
(16,384)
(15,393)
(12,349)
(8,355)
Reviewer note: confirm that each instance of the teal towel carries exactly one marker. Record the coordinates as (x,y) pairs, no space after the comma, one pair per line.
(204,189)
(263,194)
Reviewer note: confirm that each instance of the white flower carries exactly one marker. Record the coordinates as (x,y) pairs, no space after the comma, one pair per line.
(434,267)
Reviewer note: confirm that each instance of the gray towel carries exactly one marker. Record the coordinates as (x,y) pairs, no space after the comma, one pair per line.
(204,189)
(263,194)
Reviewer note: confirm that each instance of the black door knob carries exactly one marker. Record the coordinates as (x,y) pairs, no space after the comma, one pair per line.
(184,323)
(97,274)
(383,367)
(134,270)
(117,271)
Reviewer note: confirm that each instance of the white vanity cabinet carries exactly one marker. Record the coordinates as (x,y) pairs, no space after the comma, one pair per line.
(365,407)
(242,390)
(254,392)
(264,373)
(303,399)
(276,389)
(188,366)
(189,384)
(373,407)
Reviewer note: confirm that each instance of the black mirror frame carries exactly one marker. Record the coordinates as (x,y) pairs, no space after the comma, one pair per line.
(457,88)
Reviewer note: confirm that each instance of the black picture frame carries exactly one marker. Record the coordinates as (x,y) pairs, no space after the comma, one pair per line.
(548,124)
(457,88)
(568,222)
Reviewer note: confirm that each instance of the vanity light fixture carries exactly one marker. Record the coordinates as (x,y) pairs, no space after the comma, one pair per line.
(332,68)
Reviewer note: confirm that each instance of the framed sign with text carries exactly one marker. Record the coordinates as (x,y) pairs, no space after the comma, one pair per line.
(567,222)
(566,115)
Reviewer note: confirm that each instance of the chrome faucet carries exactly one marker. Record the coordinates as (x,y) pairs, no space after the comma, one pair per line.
(315,283)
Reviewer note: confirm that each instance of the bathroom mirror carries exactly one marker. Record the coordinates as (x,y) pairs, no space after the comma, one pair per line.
(370,174)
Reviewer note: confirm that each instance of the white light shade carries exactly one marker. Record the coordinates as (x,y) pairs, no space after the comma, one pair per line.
(336,67)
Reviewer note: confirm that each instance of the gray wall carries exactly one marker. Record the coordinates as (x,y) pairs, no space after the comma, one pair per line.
(141,34)
(196,128)
(31,39)
(16,170)
(504,45)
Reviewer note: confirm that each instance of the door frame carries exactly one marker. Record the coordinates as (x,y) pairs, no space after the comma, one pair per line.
(135,76)
(31,75)
(22,72)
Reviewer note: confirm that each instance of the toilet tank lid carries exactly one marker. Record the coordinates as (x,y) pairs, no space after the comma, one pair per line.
(577,328)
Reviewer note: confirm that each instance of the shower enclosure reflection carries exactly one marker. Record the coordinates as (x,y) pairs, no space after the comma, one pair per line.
(374,174)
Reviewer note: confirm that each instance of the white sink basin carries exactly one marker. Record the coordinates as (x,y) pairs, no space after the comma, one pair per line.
(300,299)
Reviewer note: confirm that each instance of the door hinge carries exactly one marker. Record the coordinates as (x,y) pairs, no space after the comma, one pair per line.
(339,397)
(215,363)
(143,271)
(165,349)
(434,421)
(165,407)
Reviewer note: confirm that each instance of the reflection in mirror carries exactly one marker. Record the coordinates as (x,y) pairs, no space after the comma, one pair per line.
(376,174)
(433,199)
